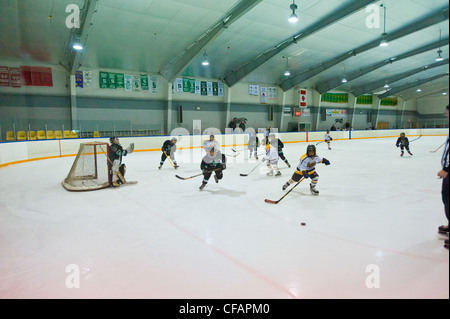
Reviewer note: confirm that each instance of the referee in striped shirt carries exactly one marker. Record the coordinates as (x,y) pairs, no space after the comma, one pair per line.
(443,173)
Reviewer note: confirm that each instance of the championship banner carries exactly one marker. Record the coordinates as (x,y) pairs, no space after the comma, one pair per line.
(220,89)
(103,79)
(272,92)
(154,84)
(79,79)
(128,83)
(120,81)
(179,84)
(209,88)
(136,81)
(4,76)
(144,82)
(197,87)
(302,100)
(111,80)
(14,75)
(263,95)
(203,88)
(215,88)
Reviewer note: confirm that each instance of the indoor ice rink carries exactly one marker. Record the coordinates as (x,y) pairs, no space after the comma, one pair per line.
(74,73)
(371,233)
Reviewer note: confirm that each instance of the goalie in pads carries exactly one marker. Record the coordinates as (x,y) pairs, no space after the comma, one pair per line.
(118,169)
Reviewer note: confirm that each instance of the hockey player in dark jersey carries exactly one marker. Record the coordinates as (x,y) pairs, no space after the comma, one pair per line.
(213,162)
(115,154)
(278,144)
(253,144)
(403,143)
(307,169)
(169,148)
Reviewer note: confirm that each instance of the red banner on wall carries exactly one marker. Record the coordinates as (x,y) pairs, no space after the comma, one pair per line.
(36,76)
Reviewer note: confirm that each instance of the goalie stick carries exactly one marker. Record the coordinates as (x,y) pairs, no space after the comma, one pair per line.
(277,201)
(438,148)
(185,178)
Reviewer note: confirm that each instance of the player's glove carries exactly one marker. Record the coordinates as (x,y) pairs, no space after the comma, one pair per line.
(223,166)
(305,174)
(325,161)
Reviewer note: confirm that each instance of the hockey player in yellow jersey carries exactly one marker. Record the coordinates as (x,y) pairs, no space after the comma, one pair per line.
(307,169)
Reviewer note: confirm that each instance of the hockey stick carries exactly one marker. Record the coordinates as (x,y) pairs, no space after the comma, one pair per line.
(169,159)
(252,169)
(277,201)
(319,143)
(232,155)
(416,139)
(185,178)
(438,148)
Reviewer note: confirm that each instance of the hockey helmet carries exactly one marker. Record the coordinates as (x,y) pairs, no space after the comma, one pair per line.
(311,147)
(174,139)
(112,139)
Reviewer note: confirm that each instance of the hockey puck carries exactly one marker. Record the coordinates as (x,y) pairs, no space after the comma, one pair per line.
(303,224)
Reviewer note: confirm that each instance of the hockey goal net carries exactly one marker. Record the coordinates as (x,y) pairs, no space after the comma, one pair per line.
(90,169)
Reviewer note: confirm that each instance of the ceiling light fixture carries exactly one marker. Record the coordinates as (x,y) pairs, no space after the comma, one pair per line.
(384,42)
(419,90)
(293,18)
(205,59)
(439,57)
(77,44)
(287,72)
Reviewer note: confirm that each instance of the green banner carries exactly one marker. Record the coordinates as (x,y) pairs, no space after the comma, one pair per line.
(120,81)
(389,102)
(144,82)
(215,88)
(365,99)
(335,97)
(186,85)
(104,80)
(112,80)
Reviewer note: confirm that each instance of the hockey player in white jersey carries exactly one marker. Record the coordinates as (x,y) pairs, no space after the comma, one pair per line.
(271,157)
(328,139)
(307,169)
(211,144)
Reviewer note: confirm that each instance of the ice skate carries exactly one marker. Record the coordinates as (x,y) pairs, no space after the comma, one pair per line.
(286,186)
(270,173)
(446,243)
(175,166)
(287,163)
(202,186)
(278,173)
(216,179)
(313,189)
(401,154)
(410,153)
(443,230)
(159,167)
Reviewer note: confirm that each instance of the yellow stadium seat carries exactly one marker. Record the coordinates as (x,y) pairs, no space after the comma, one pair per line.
(50,135)
(31,135)
(21,136)
(10,136)
(59,135)
(67,134)
(41,135)
(73,134)
(96,134)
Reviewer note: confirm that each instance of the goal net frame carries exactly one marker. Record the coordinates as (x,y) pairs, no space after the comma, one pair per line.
(90,169)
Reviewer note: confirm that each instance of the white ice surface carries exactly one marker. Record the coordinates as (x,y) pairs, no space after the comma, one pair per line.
(163,238)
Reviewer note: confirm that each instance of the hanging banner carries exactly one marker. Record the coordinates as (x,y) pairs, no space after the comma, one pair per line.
(336,112)
(154,84)
(144,82)
(215,87)
(120,81)
(209,88)
(87,78)
(197,87)
(220,89)
(4,76)
(302,100)
(14,75)
(103,79)
(306,111)
(253,90)
(79,79)
(136,80)
(263,95)
(128,82)
(203,88)
(111,80)
(272,92)
(179,84)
